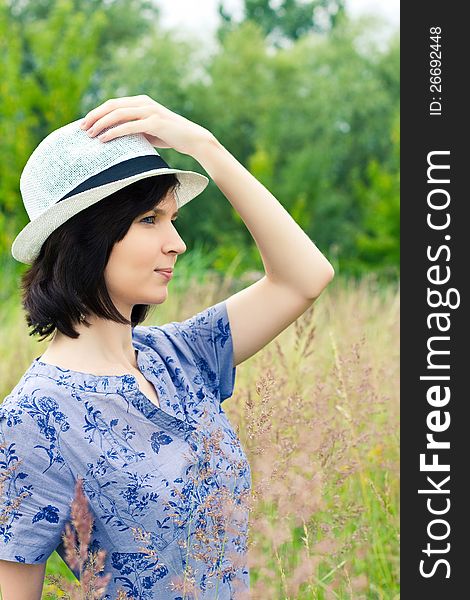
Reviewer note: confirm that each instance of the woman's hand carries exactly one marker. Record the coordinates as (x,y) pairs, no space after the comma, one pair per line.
(140,114)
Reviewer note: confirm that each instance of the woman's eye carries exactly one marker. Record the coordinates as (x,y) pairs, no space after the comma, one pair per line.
(153,217)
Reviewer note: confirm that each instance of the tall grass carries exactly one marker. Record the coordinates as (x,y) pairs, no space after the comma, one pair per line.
(317,412)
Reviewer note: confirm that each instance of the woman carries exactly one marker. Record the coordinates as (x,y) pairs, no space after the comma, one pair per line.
(136,411)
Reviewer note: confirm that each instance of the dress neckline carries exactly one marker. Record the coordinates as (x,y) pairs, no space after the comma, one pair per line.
(86,374)
(126,385)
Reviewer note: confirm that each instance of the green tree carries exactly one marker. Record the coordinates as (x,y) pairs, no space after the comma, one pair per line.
(54,56)
(312,121)
(285,20)
(332,103)
(378,243)
(125,21)
(46,67)
(307,120)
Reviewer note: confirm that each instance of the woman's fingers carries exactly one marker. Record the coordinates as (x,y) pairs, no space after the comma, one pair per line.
(141,114)
(112,105)
(116,117)
(137,126)
(101,110)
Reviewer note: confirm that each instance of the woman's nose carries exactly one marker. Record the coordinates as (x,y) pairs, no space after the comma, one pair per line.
(175,242)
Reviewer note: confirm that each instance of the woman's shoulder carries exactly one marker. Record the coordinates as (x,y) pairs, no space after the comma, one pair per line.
(202,341)
(33,394)
(204,325)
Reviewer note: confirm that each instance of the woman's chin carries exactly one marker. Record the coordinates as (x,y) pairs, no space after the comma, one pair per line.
(155,298)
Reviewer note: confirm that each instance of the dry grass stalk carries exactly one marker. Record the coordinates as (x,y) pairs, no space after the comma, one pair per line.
(77,555)
(209,523)
(303,445)
(5,475)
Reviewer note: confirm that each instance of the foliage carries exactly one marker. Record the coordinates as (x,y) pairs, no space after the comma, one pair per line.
(378,243)
(315,120)
(46,67)
(286,19)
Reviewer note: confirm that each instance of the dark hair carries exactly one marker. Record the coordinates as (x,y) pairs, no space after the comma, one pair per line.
(66,280)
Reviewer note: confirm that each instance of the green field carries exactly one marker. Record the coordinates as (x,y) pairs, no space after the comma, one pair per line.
(317,411)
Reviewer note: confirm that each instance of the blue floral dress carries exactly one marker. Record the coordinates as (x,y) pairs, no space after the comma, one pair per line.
(168,487)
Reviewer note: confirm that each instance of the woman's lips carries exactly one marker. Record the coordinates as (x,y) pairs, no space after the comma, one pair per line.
(167,274)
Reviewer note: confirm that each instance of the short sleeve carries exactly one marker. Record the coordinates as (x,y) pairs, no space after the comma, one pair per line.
(36,486)
(208,337)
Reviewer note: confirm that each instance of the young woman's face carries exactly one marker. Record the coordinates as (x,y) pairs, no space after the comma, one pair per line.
(152,242)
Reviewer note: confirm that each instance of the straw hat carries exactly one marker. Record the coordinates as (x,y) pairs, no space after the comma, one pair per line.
(69,171)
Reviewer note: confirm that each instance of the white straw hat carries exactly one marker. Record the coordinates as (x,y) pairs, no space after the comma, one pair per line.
(69,171)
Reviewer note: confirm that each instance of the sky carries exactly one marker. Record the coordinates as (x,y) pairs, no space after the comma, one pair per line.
(198,17)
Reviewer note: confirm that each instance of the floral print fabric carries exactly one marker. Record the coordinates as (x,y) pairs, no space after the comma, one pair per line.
(177,474)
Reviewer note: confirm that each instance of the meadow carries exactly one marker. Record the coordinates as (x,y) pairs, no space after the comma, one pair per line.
(317,412)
